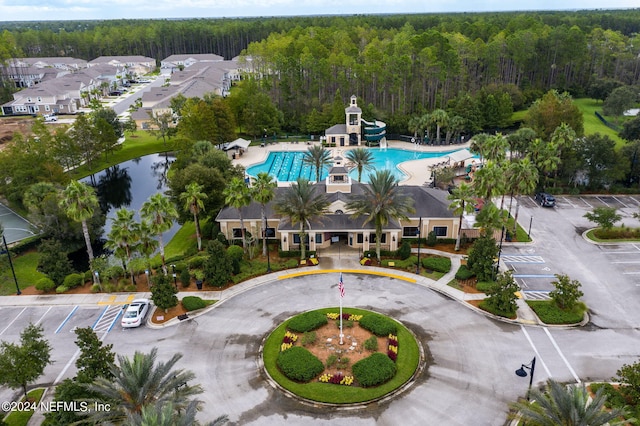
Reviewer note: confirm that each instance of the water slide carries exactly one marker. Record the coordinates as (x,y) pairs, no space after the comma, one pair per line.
(374,131)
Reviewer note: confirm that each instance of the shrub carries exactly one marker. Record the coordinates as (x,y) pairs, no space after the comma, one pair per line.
(73,280)
(235,253)
(374,370)
(95,288)
(404,251)
(308,338)
(378,324)
(185,277)
(307,321)
(108,287)
(485,286)
(299,364)
(432,239)
(294,253)
(197,262)
(191,303)
(550,313)
(343,363)
(61,289)
(463,273)
(437,263)
(45,284)
(332,360)
(371,344)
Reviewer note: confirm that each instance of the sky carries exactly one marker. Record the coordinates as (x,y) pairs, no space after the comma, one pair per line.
(46,10)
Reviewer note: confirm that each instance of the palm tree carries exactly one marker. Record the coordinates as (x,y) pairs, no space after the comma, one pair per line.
(317,157)
(360,159)
(122,238)
(263,192)
(160,213)
(147,245)
(440,118)
(545,156)
(141,382)
(79,201)
(522,178)
(237,195)
(488,181)
(495,148)
(488,219)
(301,204)
(380,202)
(463,198)
(165,415)
(193,199)
(417,124)
(568,405)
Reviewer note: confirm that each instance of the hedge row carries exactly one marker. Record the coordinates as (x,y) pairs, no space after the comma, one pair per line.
(464,273)
(299,364)
(374,370)
(295,253)
(437,263)
(378,325)
(307,322)
(191,303)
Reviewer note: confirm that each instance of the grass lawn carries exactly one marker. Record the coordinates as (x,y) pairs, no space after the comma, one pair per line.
(592,124)
(21,418)
(550,313)
(25,266)
(139,144)
(407,362)
(591,235)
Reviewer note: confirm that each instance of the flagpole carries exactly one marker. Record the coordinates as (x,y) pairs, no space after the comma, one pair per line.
(341,293)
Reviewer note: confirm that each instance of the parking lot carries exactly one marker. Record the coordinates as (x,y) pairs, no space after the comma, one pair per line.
(534,266)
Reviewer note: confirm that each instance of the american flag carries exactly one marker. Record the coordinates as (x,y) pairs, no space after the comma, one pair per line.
(341,286)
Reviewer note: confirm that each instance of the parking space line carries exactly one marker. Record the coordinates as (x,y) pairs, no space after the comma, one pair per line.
(73,311)
(570,203)
(585,201)
(626,261)
(620,201)
(14,320)
(602,201)
(533,276)
(566,362)
(635,201)
(631,273)
(100,317)
(38,322)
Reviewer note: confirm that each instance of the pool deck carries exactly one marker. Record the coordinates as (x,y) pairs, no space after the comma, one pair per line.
(418,171)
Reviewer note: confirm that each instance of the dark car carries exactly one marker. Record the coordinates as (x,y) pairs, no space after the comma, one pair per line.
(545,200)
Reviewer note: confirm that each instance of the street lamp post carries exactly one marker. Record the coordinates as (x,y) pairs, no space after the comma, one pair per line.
(265,237)
(175,276)
(6,248)
(520,372)
(419,236)
(530,222)
(146,272)
(500,251)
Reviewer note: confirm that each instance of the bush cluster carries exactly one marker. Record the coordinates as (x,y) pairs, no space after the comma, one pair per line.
(307,322)
(45,284)
(73,280)
(299,364)
(197,262)
(437,263)
(371,344)
(463,273)
(378,325)
(295,253)
(550,313)
(404,251)
(374,370)
(191,303)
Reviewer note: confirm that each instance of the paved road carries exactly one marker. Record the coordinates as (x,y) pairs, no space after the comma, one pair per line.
(469,378)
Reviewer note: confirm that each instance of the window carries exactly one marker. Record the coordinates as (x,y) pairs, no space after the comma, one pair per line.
(237,233)
(440,231)
(338,178)
(333,139)
(271,232)
(46,108)
(353,119)
(318,238)
(410,231)
(28,99)
(359,239)
(383,239)
(39,99)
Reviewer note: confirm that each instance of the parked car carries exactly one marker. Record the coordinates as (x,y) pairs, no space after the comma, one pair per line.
(50,117)
(135,313)
(545,200)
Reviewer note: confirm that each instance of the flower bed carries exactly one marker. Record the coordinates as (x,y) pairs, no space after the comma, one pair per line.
(339,360)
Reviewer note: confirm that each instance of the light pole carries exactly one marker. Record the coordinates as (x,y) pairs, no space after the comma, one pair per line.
(500,251)
(175,276)
(530,222)
(419,236)
(265,237)
(520,372)
(6,248)
(146,272)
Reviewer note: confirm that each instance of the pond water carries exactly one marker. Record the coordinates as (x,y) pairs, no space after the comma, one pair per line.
(129,184)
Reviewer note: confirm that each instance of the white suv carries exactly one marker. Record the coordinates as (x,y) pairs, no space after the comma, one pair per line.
(50,117)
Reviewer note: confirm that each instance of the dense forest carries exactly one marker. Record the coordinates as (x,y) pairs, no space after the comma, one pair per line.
(400,65)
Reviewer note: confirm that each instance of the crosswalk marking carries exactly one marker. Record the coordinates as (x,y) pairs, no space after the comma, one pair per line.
(536,295)
(108,318)
(512,258)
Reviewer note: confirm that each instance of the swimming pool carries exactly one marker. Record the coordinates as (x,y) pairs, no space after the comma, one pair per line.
(287,166)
